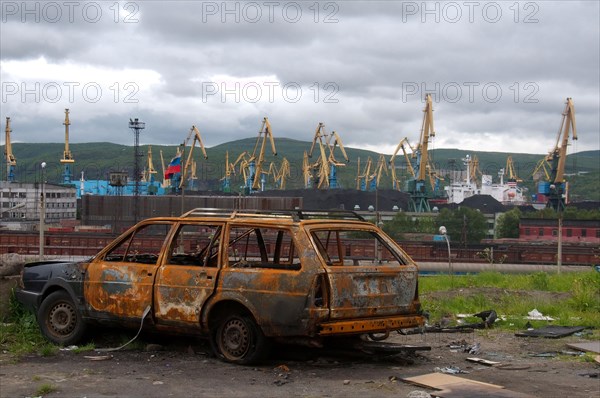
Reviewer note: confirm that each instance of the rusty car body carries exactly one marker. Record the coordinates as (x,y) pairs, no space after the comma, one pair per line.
(241,278)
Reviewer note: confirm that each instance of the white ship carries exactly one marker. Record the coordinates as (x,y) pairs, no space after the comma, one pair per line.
(506,193)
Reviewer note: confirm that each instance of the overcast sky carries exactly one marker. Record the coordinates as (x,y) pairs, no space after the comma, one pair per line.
(499,72)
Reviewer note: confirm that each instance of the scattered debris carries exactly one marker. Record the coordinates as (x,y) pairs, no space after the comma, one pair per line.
(418,394)
(483,361)
(552,332)
(69,348)
(552,354)
(98,357)
(510,366)
(282,368)
(535,315)
(450,370)
(463,346)
(592,375)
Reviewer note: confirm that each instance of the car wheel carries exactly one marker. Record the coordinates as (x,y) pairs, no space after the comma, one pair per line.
(59,319)
(238,339)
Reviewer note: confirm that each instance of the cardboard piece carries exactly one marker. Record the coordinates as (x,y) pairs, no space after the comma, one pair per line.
(591,346)
(483,361)
(469,390)
(441,380)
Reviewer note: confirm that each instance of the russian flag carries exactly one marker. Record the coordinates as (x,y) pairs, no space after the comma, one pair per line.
(174,167)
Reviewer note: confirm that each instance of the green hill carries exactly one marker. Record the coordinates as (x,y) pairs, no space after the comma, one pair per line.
(97,159)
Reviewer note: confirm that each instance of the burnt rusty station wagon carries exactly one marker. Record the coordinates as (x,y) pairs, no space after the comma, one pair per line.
(243,279)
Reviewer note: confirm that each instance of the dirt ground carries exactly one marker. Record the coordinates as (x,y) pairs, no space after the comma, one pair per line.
(183,367)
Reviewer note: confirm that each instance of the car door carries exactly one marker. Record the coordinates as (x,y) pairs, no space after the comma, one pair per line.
(380,284)
(119,282)
(189,273)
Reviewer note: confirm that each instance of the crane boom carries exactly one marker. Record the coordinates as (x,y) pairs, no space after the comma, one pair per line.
(544,166)
(67,155)
(509,170)
(11,161)
(427,131)
(197,139)
(558,155)
(166,181)
(266,132)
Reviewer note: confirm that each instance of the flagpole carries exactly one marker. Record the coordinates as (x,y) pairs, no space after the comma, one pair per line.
(182,178)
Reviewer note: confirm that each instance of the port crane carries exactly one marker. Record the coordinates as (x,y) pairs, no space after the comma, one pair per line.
(318,171)
(402,145)
(557,187)
(475,171)
(544,166)
(509,171)
(307,171)
(165,181)
(67,159)
(417,186)
(149,170)
(280,174)
(11,161)
(230,170)
(375,178)
(327,165)
(363,175)
(194,132)
(254,177)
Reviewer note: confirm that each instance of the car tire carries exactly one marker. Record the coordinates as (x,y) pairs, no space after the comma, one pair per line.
(238,339)
(59,319)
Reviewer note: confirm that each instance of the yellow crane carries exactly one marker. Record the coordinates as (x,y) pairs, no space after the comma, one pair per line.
(419,193)
(149,170)
(362,179)
(543,165)
(197,140)
(307,170)
(401,146)
(280,175)
(165,181)
(557,157)
(475,171)
(230,169)
(509,171)
(372,182)
(67,158)
(11,160)
(253,169)
(327,165)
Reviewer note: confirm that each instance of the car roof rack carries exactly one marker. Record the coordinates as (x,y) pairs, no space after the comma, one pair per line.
(295,215)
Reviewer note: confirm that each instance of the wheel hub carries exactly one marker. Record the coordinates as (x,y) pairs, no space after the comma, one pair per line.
(62,319)
(235,338)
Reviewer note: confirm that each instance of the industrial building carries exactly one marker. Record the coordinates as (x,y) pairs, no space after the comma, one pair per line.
(20,204)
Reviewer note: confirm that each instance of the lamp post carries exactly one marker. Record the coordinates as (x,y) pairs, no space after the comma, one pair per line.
(444,233)
(42,211)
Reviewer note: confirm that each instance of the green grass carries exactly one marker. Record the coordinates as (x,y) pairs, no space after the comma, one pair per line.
(570,298)
(45,389)
(573,299)
(21,334)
